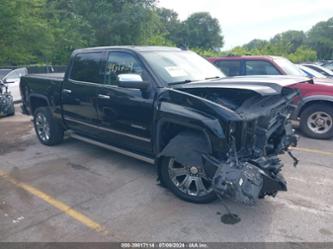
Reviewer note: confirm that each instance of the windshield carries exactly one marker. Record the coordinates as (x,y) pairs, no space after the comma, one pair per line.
(288,67)
(181,66)
(4,72)
(311,72)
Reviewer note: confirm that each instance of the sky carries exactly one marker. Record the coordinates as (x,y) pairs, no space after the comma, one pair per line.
(243,21)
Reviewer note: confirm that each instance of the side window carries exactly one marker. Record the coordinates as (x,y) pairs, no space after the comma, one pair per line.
(87,67)
(260,68)
(230,68)
(122,63)
(14,75)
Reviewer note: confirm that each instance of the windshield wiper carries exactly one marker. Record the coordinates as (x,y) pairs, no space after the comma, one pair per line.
(180,82)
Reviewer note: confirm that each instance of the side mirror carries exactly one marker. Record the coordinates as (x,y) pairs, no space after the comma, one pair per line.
(7,81)
(133,81)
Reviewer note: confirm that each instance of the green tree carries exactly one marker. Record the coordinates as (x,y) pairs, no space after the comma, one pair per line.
(289,41)
(290,44)
(69,29)
(320,37)
(47,31)
(201,30)
(25,36)
(120,22)
(303,54)
(170,26)
(256,44)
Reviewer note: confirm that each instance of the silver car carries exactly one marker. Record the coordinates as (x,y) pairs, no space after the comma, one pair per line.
(11,77)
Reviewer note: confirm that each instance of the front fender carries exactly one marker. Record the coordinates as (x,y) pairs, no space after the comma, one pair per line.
(188,110)
(189,117)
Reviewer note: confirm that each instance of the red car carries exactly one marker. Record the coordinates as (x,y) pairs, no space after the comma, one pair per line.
(315,108)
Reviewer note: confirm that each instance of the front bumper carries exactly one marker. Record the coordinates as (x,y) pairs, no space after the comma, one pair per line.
(246,182)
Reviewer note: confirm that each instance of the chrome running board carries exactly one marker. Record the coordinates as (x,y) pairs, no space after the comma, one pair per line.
(110,147)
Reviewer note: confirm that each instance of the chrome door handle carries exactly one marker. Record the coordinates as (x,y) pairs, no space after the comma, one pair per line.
(67,91)
(101,96)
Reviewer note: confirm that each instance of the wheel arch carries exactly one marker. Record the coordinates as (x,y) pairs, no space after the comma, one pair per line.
(311,100)
(36,101)
(166,142)
(167,129)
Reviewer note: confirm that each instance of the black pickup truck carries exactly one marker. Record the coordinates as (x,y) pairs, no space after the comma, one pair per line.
(209,136)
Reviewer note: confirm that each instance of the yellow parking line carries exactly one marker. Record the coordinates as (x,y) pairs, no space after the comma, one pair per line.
(55,203)
(325,153)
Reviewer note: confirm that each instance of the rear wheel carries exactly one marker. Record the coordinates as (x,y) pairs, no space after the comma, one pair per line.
(317,121)
(48,130)
(188,182)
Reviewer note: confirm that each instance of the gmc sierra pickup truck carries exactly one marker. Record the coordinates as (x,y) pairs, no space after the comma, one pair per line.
(209,136)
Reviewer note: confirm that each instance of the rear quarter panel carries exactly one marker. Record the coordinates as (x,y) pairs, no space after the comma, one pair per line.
(48,89)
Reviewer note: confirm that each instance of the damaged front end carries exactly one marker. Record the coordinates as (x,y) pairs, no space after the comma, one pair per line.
(252,169)
(236,135)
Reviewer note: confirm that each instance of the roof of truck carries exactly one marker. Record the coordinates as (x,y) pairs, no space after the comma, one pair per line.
(133,48)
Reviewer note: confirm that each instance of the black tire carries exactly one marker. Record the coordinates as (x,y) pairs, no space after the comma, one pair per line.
(166,179)
(309,114)
(12,113)
(55,131)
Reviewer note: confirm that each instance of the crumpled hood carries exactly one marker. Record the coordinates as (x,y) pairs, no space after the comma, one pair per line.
(263,85)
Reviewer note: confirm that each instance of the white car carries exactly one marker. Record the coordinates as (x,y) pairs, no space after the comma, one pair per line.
(311,73)
(328,73)
(11,77)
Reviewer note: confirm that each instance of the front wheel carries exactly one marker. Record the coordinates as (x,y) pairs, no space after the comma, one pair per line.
(48,130)
(317,121)
(188,182)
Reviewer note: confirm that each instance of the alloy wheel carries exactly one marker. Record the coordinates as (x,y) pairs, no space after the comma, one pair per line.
(320,122)
(191,180)
(42,127)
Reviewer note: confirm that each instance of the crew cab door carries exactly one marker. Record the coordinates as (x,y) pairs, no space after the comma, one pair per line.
(125,114)
(79,93)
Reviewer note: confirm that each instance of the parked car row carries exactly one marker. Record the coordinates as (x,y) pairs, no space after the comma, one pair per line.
(315,108)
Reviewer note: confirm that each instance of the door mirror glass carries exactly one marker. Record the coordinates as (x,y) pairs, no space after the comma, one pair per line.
(130,78)
(133,81)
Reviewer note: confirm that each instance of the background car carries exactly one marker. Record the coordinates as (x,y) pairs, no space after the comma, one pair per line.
(314,109)
(328,65)
(311,72)
(321,69)
(11,77)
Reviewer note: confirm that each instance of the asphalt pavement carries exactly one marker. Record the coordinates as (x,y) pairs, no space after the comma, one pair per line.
(77,192)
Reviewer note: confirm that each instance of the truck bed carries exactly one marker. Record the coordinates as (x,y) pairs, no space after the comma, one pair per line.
(41,87)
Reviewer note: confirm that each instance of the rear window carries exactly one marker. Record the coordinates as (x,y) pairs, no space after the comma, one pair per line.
(230,68)
(260,68)
(87,67)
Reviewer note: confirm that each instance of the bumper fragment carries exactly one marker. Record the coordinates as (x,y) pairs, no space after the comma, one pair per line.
(245,182)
